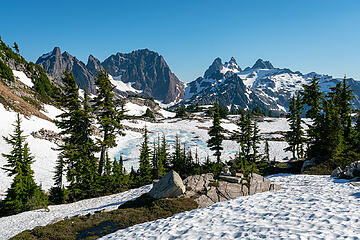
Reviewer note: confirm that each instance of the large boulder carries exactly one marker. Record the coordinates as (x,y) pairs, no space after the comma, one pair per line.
(307,164)
(206,190)
(169,186)
(350,171)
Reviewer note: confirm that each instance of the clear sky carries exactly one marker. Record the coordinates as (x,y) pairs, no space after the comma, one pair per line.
(305,35)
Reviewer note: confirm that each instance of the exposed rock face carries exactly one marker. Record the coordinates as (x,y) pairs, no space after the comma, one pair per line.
(147,70)
(207,191)
(55,63)
(261,64)
(169,186)
(307,164)
(214,68)
(93,65)
(351,171)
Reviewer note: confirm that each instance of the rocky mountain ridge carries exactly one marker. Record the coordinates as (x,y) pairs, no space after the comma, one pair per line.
(145,71)
(261,85)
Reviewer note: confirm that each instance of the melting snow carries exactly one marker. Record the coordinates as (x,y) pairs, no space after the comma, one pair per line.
(308,207)
(23,78)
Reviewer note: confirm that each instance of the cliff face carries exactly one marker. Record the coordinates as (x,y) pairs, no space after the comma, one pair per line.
(146,70)
(55,63)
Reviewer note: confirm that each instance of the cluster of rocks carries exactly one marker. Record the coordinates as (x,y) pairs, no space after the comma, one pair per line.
(48,135)
(205,190)
(349,172)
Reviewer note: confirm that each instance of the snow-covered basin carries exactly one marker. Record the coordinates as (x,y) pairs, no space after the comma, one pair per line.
(308,207)
(13,225)
(194,134)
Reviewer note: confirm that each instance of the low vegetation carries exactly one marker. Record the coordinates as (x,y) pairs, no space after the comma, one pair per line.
(143,209)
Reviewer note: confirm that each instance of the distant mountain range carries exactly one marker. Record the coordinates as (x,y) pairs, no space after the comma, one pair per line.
(261,85)
(142,72)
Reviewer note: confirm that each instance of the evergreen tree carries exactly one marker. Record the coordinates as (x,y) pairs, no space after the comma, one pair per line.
(107,115)
(216,134)
(163,155)
(87,149)
(16,48)
(295,137)
(23,194)
(70,127)
(245,135)
(312,97)
(77,151)
(342,94)
(255,141)
(178,157)
(144,171)
(267,151)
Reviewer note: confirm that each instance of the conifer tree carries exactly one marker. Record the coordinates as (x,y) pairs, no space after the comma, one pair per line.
(24,194)
(107,114)
(178,157)
(16,48)
(87,149)
(295,137)
(255,141)
(312,97)
(267,151)
(144,166)
(163,154)
(342,95)
(216,134)
(245,135)
(77,151)
(70,128)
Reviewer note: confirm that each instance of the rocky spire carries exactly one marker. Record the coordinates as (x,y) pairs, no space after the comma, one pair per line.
(261,64)
(214,67)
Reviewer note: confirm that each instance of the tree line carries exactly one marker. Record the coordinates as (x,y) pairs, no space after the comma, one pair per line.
(333,136)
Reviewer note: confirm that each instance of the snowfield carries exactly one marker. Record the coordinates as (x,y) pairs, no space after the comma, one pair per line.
(13,225)
(191,132)
(308,207)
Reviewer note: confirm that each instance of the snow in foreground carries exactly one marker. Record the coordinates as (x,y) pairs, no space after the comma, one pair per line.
(316,207)
(12,225)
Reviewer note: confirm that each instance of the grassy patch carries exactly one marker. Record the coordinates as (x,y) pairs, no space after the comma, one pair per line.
(143,209)
(33,102)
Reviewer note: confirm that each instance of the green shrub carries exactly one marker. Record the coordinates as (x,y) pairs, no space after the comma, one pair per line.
(5,72)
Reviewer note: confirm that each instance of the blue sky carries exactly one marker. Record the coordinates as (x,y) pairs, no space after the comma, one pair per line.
(321,36)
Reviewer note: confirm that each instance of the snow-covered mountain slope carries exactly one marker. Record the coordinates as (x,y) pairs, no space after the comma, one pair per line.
(123,87)
(41,149)
(261,85)
(308,207)
(13,225)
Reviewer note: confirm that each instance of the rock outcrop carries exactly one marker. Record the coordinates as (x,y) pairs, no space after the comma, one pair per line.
(350,172)
(206,190)
(169,186)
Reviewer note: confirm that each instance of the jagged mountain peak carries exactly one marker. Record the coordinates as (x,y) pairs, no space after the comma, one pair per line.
(216,66)
(56,51)
(261,64)
(232,66)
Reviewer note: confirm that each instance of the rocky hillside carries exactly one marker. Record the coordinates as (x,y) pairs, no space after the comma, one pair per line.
(261,85)
(141,72)
(24,86)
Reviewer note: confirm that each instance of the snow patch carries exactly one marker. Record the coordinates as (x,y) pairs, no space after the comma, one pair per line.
(23,78)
